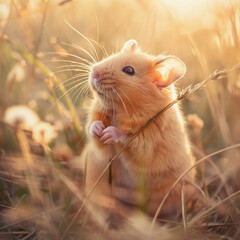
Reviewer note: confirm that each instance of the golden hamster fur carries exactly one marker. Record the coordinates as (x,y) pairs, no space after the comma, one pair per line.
(129,88)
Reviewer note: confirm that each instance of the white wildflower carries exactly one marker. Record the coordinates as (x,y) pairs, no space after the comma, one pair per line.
(44,133)
(21,115)
(17,74)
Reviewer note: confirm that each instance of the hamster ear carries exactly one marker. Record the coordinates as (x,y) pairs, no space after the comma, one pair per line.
(130,46)
(170,69)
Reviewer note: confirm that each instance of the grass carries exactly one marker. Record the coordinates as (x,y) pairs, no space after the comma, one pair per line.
(41,181)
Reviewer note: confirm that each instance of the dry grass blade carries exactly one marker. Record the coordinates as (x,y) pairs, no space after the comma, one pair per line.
(75,190)
(39,39)
(184,212)
(33,188)
(14,233)
(197,218)
(214,76)
(182,175)
(184,93)
(38,215)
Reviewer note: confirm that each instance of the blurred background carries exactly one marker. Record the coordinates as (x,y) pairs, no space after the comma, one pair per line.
(43,97)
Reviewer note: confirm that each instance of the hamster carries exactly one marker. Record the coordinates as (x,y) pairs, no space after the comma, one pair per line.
(129,88)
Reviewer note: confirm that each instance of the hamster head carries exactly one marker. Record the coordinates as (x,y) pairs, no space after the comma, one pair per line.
(133,77)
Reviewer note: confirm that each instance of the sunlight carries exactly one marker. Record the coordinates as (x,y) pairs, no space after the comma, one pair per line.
(196,14)
(188,6)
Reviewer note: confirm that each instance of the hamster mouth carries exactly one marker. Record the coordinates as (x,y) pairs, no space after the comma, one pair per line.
(100,94)
(103,84)
(103,87)
(104,92)
(106,95)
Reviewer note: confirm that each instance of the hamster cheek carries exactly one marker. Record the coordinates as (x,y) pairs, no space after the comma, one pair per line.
(96,129)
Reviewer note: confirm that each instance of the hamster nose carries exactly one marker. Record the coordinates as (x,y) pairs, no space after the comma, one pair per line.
(95,75)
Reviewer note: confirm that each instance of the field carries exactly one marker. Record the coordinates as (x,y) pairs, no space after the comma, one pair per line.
(46,48)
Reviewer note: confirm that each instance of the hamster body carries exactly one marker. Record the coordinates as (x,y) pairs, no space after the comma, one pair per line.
(129,88)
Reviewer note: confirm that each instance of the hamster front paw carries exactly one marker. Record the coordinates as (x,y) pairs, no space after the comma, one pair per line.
(111,135)
(96,129)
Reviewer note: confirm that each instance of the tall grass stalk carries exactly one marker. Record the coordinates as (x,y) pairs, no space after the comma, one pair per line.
(33,188)
(184,212)
(39,39)
(198,217)
(77,126)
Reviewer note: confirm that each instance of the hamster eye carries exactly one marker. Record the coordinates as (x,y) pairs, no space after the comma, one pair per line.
(129,70)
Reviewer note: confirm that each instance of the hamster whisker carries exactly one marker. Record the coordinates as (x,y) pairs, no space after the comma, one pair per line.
(104,51)
(73,45)
(127,98)
(124,105)
(69,70)
(83,91)
(88,63)
(74,65)
(83,65)
(113,107)
(69,82)
(105,101)
(101,94)
(74,92)
(82,82)
(75,76)
(104,93)
(94,52)
(80,73)
(108,83)
(64,60)
(89,42)
(85,51)
(71,89)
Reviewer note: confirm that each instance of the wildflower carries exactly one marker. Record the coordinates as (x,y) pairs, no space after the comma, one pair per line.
(17,73)
(44,133)
(21,116)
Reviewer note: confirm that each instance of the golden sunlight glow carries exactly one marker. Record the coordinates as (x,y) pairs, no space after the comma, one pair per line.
(194,13)
(189,6)
(138,154)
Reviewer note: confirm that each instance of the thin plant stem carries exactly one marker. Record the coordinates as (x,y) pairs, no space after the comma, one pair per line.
(181,176)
